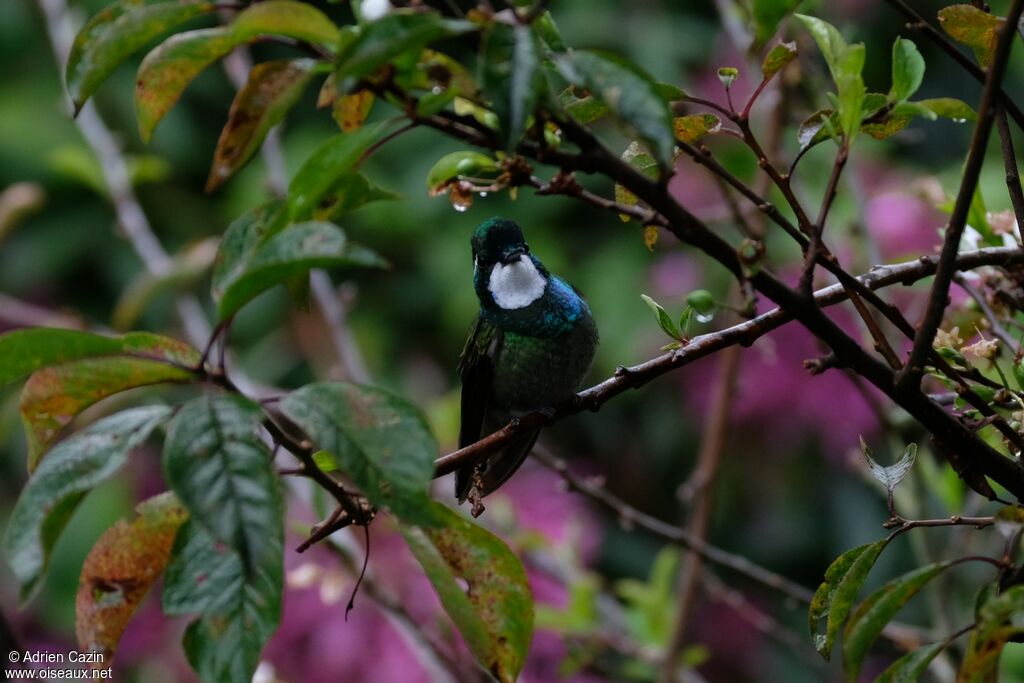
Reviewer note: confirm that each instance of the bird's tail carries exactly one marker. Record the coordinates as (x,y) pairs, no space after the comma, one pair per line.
(496,469)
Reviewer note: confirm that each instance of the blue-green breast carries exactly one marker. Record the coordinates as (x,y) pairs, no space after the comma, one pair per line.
(547,349)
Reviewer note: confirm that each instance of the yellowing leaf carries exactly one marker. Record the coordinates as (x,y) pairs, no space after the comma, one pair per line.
(974,28)
(695,126)
(350,111)
(270,91)
(119,571)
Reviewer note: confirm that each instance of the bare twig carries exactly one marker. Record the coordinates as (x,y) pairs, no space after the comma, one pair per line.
(130,215)
(700,488)
(1013,186)
(631,515)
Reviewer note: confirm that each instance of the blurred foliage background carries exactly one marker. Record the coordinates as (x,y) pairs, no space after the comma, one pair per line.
(792,493)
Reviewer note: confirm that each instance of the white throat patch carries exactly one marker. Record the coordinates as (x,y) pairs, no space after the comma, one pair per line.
(516,285)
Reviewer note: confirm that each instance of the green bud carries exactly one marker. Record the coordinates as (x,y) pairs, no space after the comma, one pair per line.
(701,301)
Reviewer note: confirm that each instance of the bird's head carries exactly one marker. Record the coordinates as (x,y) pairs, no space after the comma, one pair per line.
(506,275)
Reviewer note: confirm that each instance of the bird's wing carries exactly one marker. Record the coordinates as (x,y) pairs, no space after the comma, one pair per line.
(476,368)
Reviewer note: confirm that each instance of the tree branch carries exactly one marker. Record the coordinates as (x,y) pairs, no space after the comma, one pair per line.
(744,333)
(910,376)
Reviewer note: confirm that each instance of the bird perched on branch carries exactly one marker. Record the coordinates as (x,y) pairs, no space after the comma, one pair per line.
(529,348)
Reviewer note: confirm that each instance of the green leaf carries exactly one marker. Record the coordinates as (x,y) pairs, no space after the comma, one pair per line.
(871,616)
(973,27)
(381,441)
(241,239)
(628,92)
(269,93)
(324,168)
(350,193)
(909,667)
(451,166)
(818,127)
(239,610)
(70,470)
(512,79)
(494,613)
(777,59)
(950,108)
(852,91)
(668,325)
(295,251)
(171,66)
(119,570)
(548,31)
(586,110)
(53,397)
(117,31)
(998,620)
(27,350)
(831,43)
(216,463)
(390,37)
(834,598)
(890,476)
(907,70)
(290,18)
(695,126)
(766,16)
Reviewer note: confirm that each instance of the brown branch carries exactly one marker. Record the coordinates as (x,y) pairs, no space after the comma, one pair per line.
(673,534)
(744,333)
(711,450)
(910,376)
(1013,186)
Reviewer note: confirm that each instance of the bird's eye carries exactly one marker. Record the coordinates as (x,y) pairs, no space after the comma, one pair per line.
(526,248)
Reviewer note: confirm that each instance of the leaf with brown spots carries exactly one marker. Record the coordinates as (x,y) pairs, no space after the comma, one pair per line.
(25,351)
(54,490)
(54,396)
(117,31)
(695,126)
(119,571)
(974,28)
(350,111)
(272,89)
(380,441)
(998,621)
(494,613)
(171,66)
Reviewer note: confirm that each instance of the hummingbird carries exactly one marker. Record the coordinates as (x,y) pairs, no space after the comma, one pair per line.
(529,348)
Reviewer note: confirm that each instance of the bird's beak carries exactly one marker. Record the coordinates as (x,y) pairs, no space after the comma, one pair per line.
(513,255)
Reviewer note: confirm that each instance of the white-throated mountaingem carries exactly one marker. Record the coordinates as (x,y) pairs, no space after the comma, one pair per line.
(529,348)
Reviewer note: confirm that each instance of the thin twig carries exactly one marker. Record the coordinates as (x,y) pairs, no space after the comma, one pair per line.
(130,215)
(700,489)
(1013,186)
(995,325)
(630,515)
